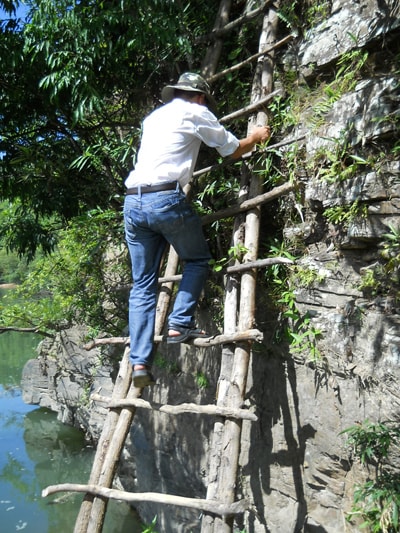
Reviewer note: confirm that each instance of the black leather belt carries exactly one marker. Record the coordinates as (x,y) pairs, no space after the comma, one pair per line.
(169,186)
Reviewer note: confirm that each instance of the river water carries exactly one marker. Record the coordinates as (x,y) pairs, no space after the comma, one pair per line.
(37,451)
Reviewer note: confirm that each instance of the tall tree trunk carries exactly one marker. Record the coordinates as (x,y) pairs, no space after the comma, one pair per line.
(213,53)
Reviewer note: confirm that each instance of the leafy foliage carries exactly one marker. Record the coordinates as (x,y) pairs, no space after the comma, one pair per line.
(345,214)
(384,277)
(12,268)
(296,328)
(378,500)
(371,442)
(77,79)
(80,282)
(304,15)
(150,528)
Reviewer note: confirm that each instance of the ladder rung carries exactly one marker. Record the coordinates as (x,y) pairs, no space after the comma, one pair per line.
(210,506)
(215,410)
(247,335)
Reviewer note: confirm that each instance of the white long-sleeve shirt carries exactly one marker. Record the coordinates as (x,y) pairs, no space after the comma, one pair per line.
(171,139)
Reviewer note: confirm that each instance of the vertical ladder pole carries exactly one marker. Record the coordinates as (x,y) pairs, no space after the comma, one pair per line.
(120,390)
(231,434)
(164,296)
(213,52)
(231,306)
(208,69)
(235,393)
(117,425)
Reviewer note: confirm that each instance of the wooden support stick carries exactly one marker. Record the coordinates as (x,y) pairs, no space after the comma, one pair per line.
(194,503)
(222,73)
(27,330)
(251,203)
(248,335)
(111,436)
(243,414)
(230,161)
(260,263)
(251,107)
(234,23)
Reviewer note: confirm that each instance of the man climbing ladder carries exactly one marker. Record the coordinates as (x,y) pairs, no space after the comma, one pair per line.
(156,212)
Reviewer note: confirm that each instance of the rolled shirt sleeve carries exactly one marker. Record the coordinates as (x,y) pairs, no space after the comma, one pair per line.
(213,134)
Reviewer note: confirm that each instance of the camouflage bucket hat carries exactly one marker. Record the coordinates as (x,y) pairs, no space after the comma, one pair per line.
(190,81)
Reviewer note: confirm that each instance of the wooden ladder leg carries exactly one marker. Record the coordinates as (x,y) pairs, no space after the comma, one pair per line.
(117,425)
(121,388)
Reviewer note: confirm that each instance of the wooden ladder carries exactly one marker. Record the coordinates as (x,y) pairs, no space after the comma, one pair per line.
(219,508)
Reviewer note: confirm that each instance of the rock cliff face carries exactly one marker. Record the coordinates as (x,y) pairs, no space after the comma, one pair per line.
(295,465)
(64,374)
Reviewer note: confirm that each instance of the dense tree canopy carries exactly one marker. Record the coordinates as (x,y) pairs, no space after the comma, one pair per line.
(77,79)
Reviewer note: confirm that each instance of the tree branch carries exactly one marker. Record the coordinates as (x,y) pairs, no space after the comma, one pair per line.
(260,263)
(248,335)
(230,161)
(247,110)
(249,204)
(26,330)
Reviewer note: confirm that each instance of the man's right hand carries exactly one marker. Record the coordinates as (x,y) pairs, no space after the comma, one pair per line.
(261,134)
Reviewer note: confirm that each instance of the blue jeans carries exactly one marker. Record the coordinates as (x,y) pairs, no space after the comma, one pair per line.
(152,220)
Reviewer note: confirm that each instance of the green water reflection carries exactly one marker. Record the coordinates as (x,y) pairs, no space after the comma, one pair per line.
(36,451)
